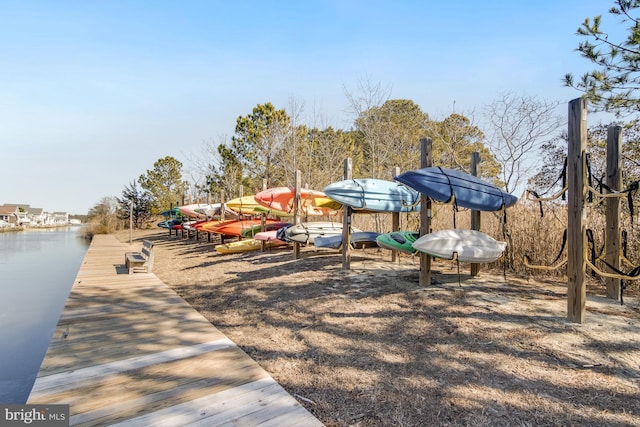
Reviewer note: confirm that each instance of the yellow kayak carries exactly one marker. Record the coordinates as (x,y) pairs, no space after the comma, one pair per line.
(244,205)
(246,246)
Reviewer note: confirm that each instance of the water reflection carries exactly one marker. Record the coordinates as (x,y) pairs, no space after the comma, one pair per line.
(37,270)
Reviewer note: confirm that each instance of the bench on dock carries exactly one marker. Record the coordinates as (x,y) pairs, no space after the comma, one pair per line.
(140,262)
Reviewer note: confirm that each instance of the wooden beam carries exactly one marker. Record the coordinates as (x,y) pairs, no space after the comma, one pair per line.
(263,219)
(171,217)
(222,209)
(395,221)
(612,227)
(346,222)
(475,215)
(296,203)
(576,160)
(130,220)
(425,214)
(222,205)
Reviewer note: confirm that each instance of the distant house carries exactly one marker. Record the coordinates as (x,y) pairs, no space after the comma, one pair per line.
(8,214)
(37,216)
(59,218)
(26,215)
(17,214)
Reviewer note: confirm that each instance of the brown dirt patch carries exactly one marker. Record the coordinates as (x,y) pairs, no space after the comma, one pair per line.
(370,347)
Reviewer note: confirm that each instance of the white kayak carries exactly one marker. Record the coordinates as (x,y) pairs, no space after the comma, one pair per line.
(306,232)
(466,245)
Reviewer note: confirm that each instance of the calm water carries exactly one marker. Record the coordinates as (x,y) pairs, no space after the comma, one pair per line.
(37,270)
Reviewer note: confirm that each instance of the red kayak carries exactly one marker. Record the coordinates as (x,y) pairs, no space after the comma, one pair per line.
(233,227)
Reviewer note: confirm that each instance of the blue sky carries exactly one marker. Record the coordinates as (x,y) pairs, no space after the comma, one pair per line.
(92,92)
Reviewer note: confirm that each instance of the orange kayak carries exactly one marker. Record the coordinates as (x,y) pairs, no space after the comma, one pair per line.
(312,203)
(234,227)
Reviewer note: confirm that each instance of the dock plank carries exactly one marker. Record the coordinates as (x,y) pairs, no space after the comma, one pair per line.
(128,350)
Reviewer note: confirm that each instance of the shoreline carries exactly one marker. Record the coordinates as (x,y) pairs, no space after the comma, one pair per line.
(11,229)
(36,227)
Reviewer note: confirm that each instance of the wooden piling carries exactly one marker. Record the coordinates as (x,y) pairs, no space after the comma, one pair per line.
(576,169)
(475,215)
(612,227)
(296,206)
(425,214)
(346,222)
(395,221)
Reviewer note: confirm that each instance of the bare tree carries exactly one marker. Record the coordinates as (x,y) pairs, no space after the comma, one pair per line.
(518,126)
(290,160)
(322,150)
(203,166)
(364,106)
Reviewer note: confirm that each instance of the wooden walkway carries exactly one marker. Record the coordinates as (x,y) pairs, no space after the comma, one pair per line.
(137,354)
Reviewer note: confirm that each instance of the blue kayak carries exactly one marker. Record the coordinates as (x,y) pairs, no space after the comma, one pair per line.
(359,240)
(171,212)
(372,194)
(450,185)
(170,223)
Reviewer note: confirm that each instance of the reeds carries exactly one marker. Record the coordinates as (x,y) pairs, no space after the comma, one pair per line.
(531,230)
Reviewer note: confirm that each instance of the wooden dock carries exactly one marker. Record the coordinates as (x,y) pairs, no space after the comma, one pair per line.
(128,350)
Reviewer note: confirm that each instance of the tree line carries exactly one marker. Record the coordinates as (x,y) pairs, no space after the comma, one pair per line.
(268,147)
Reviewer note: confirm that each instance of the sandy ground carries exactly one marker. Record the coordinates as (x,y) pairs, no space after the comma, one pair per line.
(369,346)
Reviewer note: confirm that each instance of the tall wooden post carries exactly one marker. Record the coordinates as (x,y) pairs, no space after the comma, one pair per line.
(612,227)
(576,169)
(475,215)
(395,221)
(130,220)
(171,217)
(222,209)
(263,219)
(240,195)
(296,203)
(425,214)
(346,222)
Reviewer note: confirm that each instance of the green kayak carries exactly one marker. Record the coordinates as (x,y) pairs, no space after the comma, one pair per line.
(398,241)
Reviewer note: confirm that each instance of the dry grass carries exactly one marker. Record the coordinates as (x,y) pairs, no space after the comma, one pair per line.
(527,232)
(371,347)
